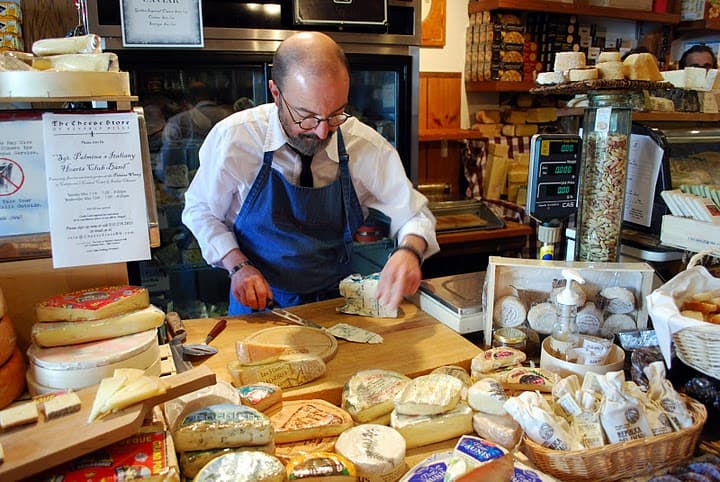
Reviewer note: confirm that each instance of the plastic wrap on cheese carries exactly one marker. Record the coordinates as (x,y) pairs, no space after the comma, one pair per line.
(359,293)
(83,44)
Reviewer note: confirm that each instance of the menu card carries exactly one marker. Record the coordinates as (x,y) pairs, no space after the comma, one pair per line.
(96,192)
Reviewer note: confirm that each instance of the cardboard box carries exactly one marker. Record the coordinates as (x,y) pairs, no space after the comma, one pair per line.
(504,275)
(689,234)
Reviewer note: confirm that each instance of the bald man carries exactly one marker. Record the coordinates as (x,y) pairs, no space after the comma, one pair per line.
(283,186)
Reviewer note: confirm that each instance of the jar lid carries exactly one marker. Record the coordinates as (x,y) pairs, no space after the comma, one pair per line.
(509,336)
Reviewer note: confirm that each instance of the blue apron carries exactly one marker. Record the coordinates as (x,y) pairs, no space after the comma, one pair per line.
(296,236)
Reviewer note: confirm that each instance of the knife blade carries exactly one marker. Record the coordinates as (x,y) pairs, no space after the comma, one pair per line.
(292,316)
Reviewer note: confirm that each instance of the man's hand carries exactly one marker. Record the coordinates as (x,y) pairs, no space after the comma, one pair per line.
(250,288)
(401,275)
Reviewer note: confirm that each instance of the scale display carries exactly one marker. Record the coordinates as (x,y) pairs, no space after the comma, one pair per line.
(553,176)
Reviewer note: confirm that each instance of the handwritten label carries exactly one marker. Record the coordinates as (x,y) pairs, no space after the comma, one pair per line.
(161,23)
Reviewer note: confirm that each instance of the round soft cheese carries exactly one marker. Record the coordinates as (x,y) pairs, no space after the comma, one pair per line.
(369,394)
(377,451)
(79,366)
(509,311)
(618,299)
(12,379)
(8,339)
(242,467)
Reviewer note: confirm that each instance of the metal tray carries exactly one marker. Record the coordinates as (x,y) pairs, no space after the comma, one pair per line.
(461,294)
(464,215)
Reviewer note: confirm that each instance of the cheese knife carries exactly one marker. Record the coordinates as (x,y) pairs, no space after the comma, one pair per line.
(292,316)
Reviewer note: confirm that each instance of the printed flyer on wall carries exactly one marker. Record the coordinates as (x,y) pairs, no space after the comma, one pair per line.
(95,186)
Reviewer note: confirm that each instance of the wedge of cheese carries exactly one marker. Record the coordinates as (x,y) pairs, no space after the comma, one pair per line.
(320,466)
(252,353)
(429,395)
(419,430)
(299,420)
(100,62)
(263,397)
(60,333)
(123,390)
(20,414)
(92,304)
(369,394)
(286,372)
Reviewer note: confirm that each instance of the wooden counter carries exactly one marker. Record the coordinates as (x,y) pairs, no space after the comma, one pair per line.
(414,344)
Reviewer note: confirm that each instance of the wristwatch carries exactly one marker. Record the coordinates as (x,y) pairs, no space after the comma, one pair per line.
(406,247)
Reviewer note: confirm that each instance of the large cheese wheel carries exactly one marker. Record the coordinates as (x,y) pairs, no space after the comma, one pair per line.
(8,339)
(12,379)
(2,304)
(93,304)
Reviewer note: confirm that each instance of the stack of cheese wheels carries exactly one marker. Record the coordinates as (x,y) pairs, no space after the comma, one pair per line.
(83,336)
(12,364)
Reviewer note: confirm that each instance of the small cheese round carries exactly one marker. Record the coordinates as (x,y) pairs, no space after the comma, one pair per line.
(494,358)
(612,70)
(589,319)
(377,451)
(611,56)
(568,60)
(616,323)
(242,467)
(542,317)
(618,299)
(550,78)
(509,311)
(578,75)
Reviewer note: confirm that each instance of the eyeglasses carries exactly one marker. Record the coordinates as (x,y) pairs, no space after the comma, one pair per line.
(312,121)
(703,66)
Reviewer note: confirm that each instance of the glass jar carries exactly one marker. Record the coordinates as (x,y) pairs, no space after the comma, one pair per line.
(509,337)
(603,173)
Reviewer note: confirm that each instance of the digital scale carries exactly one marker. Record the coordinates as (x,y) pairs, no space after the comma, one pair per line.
(553,182)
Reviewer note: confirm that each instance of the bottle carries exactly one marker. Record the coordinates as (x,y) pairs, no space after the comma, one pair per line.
(549,234)
(565,335)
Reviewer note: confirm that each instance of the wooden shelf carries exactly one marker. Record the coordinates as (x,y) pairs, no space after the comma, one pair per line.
(573,9)
(697,26)
(426,135)
(653,116)
(499,86)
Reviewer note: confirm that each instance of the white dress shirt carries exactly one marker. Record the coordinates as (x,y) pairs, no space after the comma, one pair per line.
(231,157)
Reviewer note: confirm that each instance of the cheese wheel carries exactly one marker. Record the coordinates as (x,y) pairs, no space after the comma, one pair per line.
(616,323)
(242,467)
(369,394)
(589,319)
(308,419)
(550,78)
(79,366)
(568,60)
(192,462)
(177,408)
(494,358)
(377,451)
(93,303)
(509,311)
(487,395)
(578,75)
(542,316)
(12,379)
(61,333)
(618,299)
(8,339)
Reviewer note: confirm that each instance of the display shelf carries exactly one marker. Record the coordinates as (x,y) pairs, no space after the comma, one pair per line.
(573,9)
(499,86)
(652,116)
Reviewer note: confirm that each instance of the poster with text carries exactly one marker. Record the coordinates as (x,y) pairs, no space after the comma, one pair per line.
(23,195)
(96,192)
(161,23)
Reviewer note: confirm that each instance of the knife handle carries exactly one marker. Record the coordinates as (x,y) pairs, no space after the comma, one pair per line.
(216,330)
(174,323)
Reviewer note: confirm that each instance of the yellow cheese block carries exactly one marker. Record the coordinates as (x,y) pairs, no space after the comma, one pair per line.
(93,304)
(12,379)
(488,116)
(488,130)
(8,339)
(61,333)
(542,114)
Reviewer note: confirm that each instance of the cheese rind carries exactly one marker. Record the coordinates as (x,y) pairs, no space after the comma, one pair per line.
(92,304)
(61,333)
(242,467)
(568,60)
(12,378)
(219,393)
(286,372)
(2,304)
(376,450)
(61,405)
(494,358)
(419,430)
(369,394)
(220,426)
(287,451)
(299,420)
(500,429)
(8,339)
(428,395)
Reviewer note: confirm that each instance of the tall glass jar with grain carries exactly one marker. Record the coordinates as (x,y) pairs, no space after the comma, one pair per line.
(603,173)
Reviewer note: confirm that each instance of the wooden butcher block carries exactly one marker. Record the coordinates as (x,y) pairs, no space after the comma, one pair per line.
(414,344)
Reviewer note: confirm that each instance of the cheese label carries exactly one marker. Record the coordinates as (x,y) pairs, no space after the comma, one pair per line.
(91,299)
(256,393)
(478,449)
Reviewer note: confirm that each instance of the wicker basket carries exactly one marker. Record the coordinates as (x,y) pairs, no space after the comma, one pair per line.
(699,348)
(621,460)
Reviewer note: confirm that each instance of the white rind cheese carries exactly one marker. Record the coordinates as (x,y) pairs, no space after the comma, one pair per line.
(487,395)
(419,430)
(542,317)
(242,467)
(550,78)
(220,426)
(428,395)
(493,359)
(568,60)
(509,311)
(60,333)
(286,372)
(578,75)
(192,462)
(618,299)
(377,451)
(500,429)
(369,394)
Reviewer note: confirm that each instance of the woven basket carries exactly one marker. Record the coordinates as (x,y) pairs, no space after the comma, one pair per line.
(621,460)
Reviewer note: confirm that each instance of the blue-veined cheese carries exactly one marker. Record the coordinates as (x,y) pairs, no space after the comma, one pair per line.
(242,467)
(377,451)
(79,366)
(177,408)
(477,459)
(192,462)
(419,430)
(368,394)
(359,293)
(428,395)
(487,395)
(61,333)
(222,425)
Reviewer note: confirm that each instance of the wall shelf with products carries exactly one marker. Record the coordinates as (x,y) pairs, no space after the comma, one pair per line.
(573,9)
(498,86)
(653,116)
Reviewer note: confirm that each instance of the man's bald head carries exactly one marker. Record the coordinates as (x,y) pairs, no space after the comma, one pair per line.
(308,53)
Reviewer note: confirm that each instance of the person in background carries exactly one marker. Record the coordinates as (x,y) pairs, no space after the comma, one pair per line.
(698,56)
(283,186)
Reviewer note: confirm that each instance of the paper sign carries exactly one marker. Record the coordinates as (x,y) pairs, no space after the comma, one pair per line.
(644,161)
(95,187)
(161,23)
(23,198)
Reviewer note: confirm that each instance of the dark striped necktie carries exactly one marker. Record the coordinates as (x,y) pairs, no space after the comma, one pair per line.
(306,177)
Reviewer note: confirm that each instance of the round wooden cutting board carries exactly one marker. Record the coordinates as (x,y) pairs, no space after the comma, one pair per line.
(308,340)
